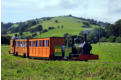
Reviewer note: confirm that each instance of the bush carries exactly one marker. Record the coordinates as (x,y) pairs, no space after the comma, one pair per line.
(61,26)
(118,39)
(66,34)
(38,28)
(5,39)
(56,21)
(45,30)
(50,28)
(111,39)
(86,25)
(58,26)
(103,39)
(34,34)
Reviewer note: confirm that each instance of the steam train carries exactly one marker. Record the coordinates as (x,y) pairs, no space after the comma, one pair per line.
(67,48)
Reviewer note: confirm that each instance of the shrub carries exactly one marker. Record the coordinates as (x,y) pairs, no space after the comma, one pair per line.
(111,39)
(56,21)
(45,30)
(103,39)
(66,34)
(86,25)
(118,39)
(34,34)
(58,26)
(61,26)
(50,28)
(5,39)
(38,28)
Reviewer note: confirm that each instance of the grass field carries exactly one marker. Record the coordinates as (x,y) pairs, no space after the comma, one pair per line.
(108,67)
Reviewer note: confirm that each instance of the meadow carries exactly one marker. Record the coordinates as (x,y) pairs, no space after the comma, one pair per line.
(108,67)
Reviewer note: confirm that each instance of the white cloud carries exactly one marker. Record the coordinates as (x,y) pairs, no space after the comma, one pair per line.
(21,10)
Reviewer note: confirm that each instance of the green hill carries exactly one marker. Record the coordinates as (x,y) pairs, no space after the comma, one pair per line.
(61,25)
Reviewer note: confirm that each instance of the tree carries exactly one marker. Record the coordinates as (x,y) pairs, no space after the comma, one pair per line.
(56,21)
(39,27)
(61,26)
(118,27)
(21,33)
(95,34)
(111,39)
(86,25)
(45,30)
(51,28)
(66,35)
(70,15)
(114,29)
(118,39)
(103,39)
(5,39)
(58,26)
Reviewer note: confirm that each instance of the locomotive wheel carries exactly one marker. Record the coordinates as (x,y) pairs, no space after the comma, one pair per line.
(86,60)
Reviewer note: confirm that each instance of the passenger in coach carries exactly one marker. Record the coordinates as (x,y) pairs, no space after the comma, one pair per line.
(15,37)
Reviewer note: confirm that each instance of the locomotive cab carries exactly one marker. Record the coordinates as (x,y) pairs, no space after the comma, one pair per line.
(80,48)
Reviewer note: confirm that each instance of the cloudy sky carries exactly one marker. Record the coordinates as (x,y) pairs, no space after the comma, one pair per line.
(22,10)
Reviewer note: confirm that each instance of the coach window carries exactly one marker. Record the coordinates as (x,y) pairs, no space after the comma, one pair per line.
(16,43)
(39,43)
(36,43)
(30,44)
(33,43)
(25,43)
(47,43)
(43,43)
(22,44)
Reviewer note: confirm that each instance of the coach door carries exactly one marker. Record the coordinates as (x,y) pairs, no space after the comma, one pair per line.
(32,48)
(43,48)
(39,48)
(11,46)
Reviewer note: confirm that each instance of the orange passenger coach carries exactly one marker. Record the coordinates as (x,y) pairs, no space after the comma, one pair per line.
(41,47)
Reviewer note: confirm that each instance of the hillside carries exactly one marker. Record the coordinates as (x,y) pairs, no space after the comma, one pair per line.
(50,26)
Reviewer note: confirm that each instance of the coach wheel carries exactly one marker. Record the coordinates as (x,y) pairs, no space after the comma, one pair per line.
(16,53)
(9,52)
(24,55)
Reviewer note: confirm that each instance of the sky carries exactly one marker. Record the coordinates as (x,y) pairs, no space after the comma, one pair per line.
(22,10)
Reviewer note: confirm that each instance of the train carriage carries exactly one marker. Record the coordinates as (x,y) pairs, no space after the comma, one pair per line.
(18,47)
(41,47)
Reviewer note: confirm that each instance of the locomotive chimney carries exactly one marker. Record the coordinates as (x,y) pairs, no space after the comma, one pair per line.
(85,35)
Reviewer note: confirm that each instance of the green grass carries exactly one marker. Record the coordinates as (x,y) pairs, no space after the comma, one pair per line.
(70,25)
(106,68)
(108,52)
